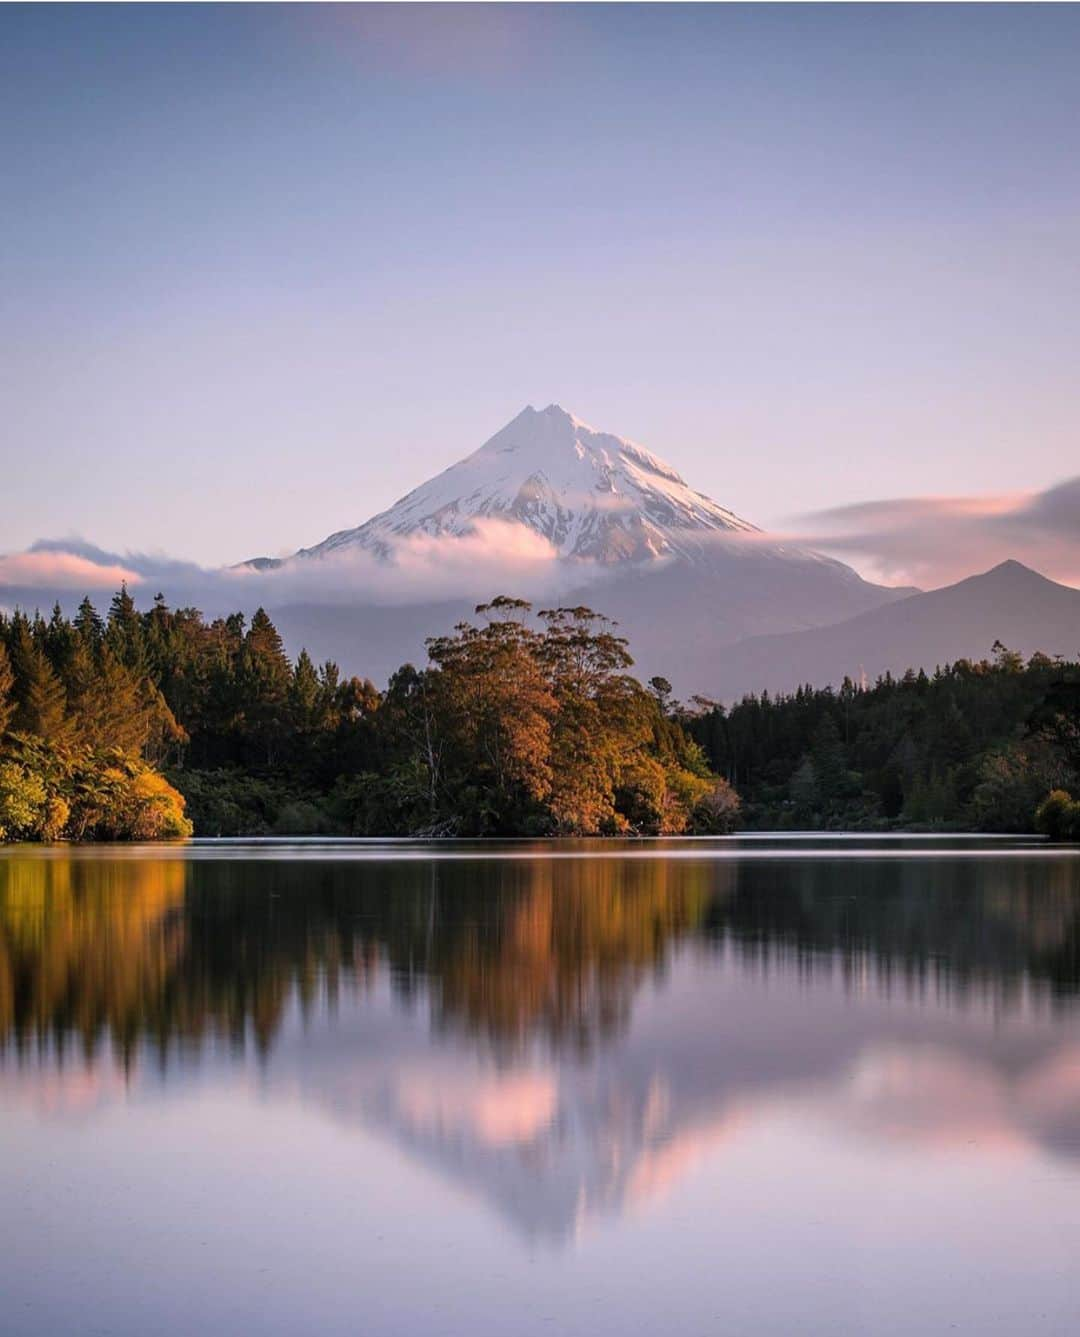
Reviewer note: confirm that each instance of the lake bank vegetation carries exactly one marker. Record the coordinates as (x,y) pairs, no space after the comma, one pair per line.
(975,745)
(155,724)
(518,725)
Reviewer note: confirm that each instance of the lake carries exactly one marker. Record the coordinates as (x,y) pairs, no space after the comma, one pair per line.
(733,1086)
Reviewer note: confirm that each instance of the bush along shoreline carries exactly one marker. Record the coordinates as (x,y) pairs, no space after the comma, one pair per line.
(159,724)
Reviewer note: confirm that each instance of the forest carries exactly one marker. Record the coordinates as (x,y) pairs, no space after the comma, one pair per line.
(990,745)
(157,724)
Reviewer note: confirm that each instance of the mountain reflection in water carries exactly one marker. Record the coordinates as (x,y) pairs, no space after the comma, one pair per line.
(563,1037)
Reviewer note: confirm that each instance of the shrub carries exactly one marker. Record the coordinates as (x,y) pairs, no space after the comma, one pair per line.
(1058,816)
(717,812)
(1009,784)
(22,802)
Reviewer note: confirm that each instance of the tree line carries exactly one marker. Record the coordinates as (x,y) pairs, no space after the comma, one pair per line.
(148,724)
(83,726)
(975,745)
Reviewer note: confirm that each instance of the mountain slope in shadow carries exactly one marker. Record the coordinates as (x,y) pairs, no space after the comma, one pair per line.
(1009,603)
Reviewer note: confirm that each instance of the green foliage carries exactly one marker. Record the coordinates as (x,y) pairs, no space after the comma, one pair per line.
(22,801)
(79,723)
(716,812)
(517,725)
(1058,816)
(1011,781)
(519,728)
(40,699)
(55,792)
(7,689)
(232,802)
(975,745)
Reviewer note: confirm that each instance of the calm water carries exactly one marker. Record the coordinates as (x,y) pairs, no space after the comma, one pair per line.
(694,1087)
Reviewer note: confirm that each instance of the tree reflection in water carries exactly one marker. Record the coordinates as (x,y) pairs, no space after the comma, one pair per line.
(170,951)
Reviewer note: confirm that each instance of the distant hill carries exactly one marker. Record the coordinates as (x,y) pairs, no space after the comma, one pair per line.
(683,619)
(1009,603)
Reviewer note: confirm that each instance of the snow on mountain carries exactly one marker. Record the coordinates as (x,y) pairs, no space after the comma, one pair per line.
(551,508)
(591,495)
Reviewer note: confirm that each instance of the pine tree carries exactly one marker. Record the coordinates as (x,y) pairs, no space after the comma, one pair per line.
(110,707)
(304,694)
(827,752)
(157,634)
(59,639)
(7,689)
(265,676)
(88,623)
(124,633)
(39,694)
(803,787)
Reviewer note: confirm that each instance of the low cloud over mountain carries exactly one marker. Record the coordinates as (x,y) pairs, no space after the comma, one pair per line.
(416,568)
(553,510)
(934,540)
(53,567)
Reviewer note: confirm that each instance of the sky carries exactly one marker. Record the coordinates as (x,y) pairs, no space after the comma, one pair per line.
(264,269)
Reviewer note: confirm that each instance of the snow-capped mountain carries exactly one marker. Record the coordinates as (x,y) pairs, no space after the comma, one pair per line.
(591,495)
(704,598)
(621,531)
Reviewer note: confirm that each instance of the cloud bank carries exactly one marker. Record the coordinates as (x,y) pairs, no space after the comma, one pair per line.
(496,555)
(44,567)
(933,541)
(925,541)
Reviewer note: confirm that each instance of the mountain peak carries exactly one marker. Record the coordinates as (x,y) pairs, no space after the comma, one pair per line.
(1009,574)
(559,414)
(590,494)
(1010,566)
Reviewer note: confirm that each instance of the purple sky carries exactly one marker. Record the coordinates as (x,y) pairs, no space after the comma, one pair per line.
(263,270)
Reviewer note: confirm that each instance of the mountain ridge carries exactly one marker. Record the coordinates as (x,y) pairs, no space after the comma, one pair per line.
(1010,602)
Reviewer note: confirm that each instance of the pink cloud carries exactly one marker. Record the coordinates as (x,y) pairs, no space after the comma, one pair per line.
(419,567)
(936,540)
(62,571)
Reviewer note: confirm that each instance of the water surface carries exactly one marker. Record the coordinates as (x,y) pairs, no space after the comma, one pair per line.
(827,1086)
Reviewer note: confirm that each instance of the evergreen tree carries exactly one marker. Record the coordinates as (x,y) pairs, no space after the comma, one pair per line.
(88,623)
(513,727)
(124,632)
(40,700)
(827,754)
(60,638)
(265,677)
(803,787)
(7,690)
(305,695)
